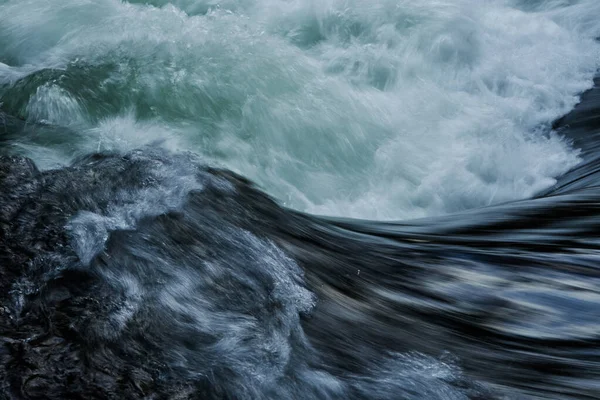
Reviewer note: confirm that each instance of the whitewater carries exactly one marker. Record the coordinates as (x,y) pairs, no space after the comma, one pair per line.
(300,199)
(371,109)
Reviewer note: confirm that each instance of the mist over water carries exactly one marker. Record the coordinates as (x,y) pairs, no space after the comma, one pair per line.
(371,109)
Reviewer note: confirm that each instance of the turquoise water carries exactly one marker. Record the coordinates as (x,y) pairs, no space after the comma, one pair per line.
(130,271)
(373,109)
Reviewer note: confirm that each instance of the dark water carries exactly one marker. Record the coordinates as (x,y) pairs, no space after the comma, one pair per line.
(150,275)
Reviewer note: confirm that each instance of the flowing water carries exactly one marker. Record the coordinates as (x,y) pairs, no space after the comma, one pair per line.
(382,109)
(165,170)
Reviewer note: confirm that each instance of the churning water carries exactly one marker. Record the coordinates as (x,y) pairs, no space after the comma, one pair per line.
(380,109)
(138,260)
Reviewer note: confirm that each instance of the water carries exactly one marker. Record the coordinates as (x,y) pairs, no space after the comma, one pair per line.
(378,109)
(164,166)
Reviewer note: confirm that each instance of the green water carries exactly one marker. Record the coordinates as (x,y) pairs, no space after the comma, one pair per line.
(376,109)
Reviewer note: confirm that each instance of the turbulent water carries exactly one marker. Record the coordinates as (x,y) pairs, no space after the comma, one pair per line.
(163,166)
(380,109)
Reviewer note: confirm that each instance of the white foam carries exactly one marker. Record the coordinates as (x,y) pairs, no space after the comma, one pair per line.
(52,105)
(125,133)
(378,109)
(177,178)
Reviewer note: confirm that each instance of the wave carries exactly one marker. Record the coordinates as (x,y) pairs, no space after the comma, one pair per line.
(151,275)
(379,109)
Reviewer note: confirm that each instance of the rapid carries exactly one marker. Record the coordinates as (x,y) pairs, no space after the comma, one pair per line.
(297,199)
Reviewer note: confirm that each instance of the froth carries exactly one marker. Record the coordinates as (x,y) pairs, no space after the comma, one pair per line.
(380,109)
